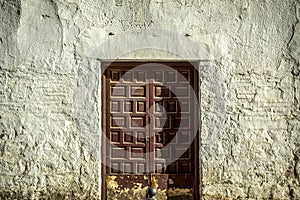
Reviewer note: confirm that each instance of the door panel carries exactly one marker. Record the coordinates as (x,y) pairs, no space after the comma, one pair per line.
(148,122)
(127,130)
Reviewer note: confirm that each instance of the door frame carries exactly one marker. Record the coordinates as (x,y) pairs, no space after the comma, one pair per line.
(104,64)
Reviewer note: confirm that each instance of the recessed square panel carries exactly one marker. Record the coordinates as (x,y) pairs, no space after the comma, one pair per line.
(115,106)
(184,106)
(159,106)
(184,137)
(128,167)
(161,122)
(138,121)
(128,106)
(159,138)
(138,91)
(127,76)
(183,76)
(115,136)
(140,76)
(138,152)
(118,152)
(115,75)
(159,167)
(170,76)
(158,76)
(118,91)
(141,106)
(161,91)
(183,153)
(162,153)
(181,121)
(181,91)
(141,168)
(115,168)
(118,122)
(171,137)
(171,106)
(141,137)
(184,167)
(172,168)
(128,137)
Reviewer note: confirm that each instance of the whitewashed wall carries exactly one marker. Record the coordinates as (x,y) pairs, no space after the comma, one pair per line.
(49,94)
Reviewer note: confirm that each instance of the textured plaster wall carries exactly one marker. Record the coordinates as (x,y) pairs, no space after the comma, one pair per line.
(49,94)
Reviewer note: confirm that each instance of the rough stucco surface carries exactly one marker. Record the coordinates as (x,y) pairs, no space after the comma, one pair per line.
(49,96)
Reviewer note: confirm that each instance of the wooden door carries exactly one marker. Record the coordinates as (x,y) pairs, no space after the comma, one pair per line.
(150,124)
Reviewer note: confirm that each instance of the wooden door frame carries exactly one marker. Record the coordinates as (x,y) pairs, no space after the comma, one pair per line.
(196,65)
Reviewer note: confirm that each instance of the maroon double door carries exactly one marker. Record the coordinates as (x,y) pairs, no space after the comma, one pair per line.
(150,123)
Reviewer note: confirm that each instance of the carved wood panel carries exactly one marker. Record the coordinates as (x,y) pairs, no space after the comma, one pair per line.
(128,125)
(170,113)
